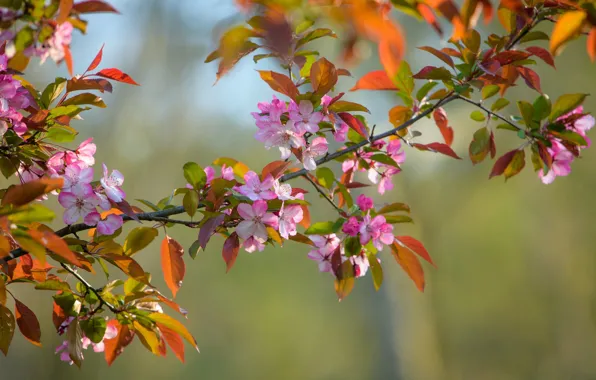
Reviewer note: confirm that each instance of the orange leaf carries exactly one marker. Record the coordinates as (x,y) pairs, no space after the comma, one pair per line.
(592,44)
(117,75)
(449,10)
(115,346)
(437,148)
(344,287)
(230,250)
(173,340)
(20,195)
(323,76)
(375,80)
(409,263)
(55,244)
(415,246)
(97,60)
(127,265)
(172,264)
(28,323)
(68,59)
(568,26)
(280,83)
(65,8)
(429,16)
(440,117)
(175,325)
(276,169)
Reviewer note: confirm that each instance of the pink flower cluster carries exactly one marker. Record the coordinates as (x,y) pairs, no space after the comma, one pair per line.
(55,46)
(13,97)
(378,173)
(110,333)
(375,229)
(575,121)
(256,218)
(286,127)
(78,196)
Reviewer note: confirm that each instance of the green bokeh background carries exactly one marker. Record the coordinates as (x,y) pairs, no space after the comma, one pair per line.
(512,298)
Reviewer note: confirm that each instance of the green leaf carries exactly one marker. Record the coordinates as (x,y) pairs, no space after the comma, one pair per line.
(94,328)
(86,98)
(345,106)
(32,213)
(393,219)
(194,249)
(394,207)
(139,238)
(325,177)
(508,127)
(542,108)
(24,38)
(384,159)
(424,90)
(315,34)
(565,104)
(52,91)
(325,228)
(499,104)
(7,328)
(572,137)
(377,271)
(352,246)
(404,79)
(477,116)
(489,91)
(479,146)
(52,285)
(516,165)
(304,26)
(195,175)
(191,202)
(527,112)
(66,302)
(61,134)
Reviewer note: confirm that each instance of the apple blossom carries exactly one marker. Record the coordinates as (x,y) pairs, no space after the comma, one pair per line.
(111,184)
(304,116)
(254,189)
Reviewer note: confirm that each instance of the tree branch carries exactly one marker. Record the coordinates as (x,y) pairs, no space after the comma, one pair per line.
(320,191)
(479,105)
(90,288)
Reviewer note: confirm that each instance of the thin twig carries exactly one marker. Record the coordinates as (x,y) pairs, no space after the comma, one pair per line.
(320,191)
(479,105)
(90,288)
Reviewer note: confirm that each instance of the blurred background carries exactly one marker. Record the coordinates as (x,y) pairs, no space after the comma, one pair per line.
(513,296)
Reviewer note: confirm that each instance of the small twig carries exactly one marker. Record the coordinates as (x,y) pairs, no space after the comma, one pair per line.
(90,288)
(489,112)
(320,191)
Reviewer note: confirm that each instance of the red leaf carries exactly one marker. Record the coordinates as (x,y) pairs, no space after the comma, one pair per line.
(65,8)
(94,6)
(439,54)
(88,84)
(415,246)
(173,340)
(591,44)
(510,56)
(440,117)
(230,250)
(502,163)
(437,148)
(28,323)
(409,263)
(531,78)
(20,195)
(55,244)
(276,169)
(542,54)
(115,346)
(208,229)
(280,83)
(172,263)
(375,80)
(97,60)
(353,123)
(117,75)
(68,59)
(493,146)
(58,315)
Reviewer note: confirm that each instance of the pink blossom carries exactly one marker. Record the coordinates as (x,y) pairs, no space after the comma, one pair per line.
(76,176)
(22,99)
(59,160)
(326,245)
(382,176)
(351,227)
(107,226)
(256,218)
(394,151)
(304,116)
(317,148)
(28,173)
(111,184)
(227,173)
(561,166)
(78,202)
(288,217)
(364,202)
(340,133)
(62,349)
(377,230)
(210,173)
(282,136)
(8,86)
(253,244)
(254,189)
(354,161)
(85,152)
(360,263)
(270,113)
(62,36)
(283,191)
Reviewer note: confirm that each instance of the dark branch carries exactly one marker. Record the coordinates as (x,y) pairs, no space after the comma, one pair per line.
(320,191)
(489,112)
(90,288)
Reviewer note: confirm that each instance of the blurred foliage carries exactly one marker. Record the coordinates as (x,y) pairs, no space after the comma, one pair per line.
(513,297)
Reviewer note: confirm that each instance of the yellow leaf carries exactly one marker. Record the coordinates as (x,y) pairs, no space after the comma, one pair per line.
(175,325)
(568,26)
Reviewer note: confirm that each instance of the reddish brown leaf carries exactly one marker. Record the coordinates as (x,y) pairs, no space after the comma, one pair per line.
(172,264)
(531,78)
(416,246)
(323,76)
(115,346)
(493,146)
(510,56)
(375,80)
(128,265)
(440,117)
(97,60)
(68,59)
(542,54)
(173,340)
(437,148)
(55,244)
(449,10)
(409,263)
(439,54)
(280,83)
(28,323)
(94,6)
(88,84)
(230,250)
(117,75)
(353,123)
(19,195)
(64,12)
(7,327)
(591,44)
(58,315)
(503,163)
(276,169)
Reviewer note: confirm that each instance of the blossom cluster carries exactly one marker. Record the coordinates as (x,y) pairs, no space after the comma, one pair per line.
(562,154)
(13,97)
(110,333)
